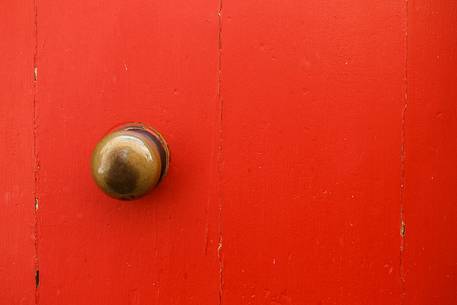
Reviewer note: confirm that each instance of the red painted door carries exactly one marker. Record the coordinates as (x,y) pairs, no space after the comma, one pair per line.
(313,144)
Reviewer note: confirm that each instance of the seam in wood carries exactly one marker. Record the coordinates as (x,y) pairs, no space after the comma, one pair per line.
(403,160)
(220,156)
(35,152)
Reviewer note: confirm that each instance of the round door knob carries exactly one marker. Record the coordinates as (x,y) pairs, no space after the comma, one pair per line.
(130,161)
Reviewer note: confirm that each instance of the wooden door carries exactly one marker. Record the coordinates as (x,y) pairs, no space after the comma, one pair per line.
(313,152)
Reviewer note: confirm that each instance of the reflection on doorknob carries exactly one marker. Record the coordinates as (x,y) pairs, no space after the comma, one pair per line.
(130,161)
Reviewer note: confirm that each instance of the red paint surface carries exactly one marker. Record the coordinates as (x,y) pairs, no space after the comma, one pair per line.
(103,63)
(313,97)
(430,256)
(17,221)
(302,134)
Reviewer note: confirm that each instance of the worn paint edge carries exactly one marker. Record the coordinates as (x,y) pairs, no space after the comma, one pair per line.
(36,163)
(220,154)
(402,229)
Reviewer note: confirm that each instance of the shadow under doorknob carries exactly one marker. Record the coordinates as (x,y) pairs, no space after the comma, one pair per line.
(130,161)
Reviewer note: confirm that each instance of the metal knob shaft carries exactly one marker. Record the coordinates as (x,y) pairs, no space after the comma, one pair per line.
(130,161)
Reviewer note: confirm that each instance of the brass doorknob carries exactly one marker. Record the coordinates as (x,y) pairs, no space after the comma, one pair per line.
(130,161)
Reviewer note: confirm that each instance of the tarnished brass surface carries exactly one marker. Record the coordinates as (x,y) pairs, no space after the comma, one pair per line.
(130,161)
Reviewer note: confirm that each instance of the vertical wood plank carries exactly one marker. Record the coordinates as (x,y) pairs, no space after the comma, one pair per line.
(313,94)
(103,63)
(430,255)
(17,233)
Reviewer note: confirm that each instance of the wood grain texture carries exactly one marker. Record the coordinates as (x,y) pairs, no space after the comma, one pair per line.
(313,97)
(430,254)
(104,63)
(17,220)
